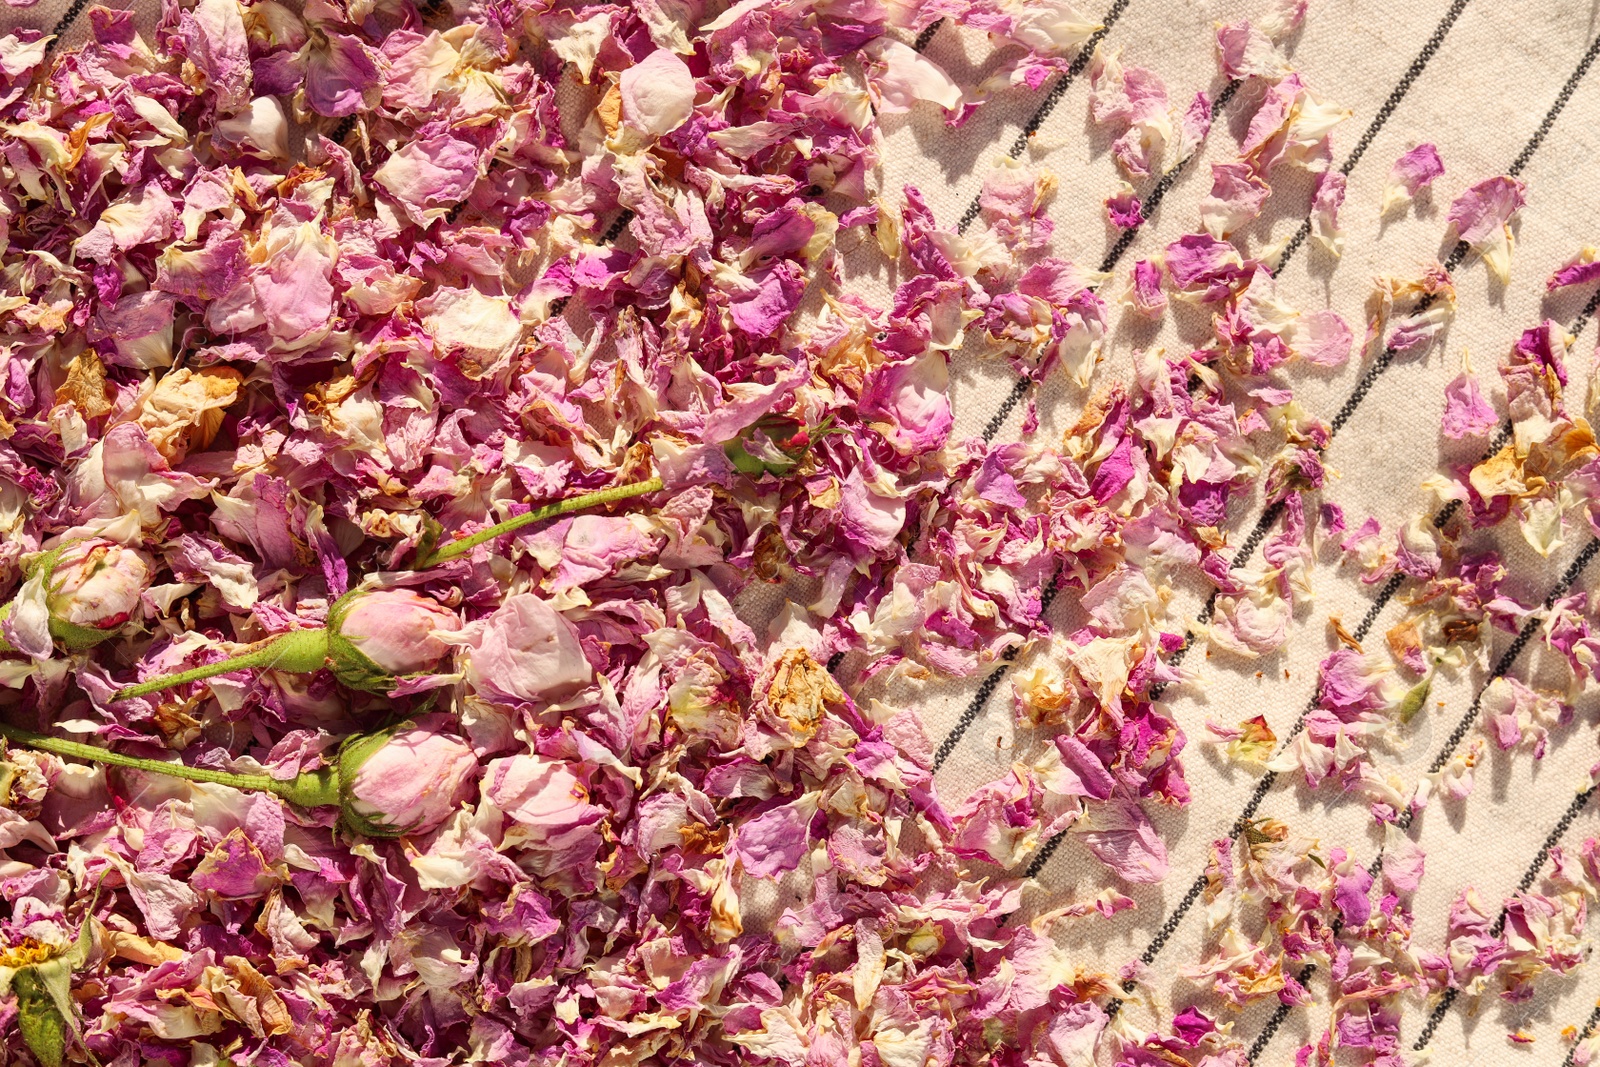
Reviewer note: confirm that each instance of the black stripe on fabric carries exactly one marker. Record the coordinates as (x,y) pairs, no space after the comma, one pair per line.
(1514,650)
(1409,815)
(1385,111)
(615,229)
(1496,443)
(64,23)
(975,706)
(1280,1013)
(1412,73)
(924,39)
(1583,1035)
(1586,314)
(1459,253)
(1402,87)
(1390,588)
(1364,385)
(1267,781)
(1369,378)
(1552,839)
(1556,108)
(1443,1007)
(1503,434)
(558,306)
(1158,192)
(1257,796)
(1019,388)
(1385,360)
(1052,97)
(1272,513)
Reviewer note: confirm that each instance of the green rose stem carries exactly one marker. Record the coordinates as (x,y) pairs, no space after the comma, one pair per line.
(298,651)
(308,650)
(310,789)
(461,546)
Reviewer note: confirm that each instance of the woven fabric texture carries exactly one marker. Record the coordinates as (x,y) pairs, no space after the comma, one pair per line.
(1495,86)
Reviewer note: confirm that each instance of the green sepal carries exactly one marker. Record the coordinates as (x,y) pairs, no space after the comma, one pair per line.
(782,431)
(745,463)
(432,531)
(77,638)
(352,754)
(73,637)
(348,663)
(311,789)
(47,561)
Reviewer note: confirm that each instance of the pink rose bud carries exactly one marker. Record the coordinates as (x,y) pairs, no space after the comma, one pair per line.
(377,636)
(373,638)
(405,780)
(97,584)
(78,594)
(395,628)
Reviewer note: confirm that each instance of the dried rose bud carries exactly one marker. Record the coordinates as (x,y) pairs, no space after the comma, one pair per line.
(373,638)
(407,779)
(39,975)
(97,584)
(79,594)
(369,644)
(377,636)
(404,780)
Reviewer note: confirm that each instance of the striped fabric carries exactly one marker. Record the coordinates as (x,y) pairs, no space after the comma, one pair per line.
(1501,87)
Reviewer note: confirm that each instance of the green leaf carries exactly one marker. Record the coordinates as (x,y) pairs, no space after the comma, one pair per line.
(745,463)
(1412,703)
(44,1029)
(75,638)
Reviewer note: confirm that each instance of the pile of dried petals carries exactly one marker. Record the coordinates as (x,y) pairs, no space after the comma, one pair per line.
(393,415)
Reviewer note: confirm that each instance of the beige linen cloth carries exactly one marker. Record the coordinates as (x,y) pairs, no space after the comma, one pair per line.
(1486,81)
